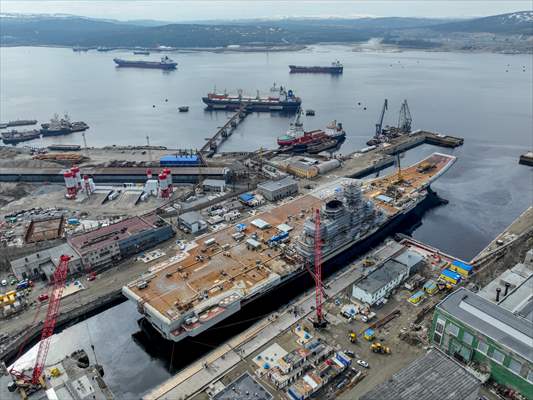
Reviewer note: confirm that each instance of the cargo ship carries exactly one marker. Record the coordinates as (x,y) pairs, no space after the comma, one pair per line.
(63,126)
(296,140)
(280,100)
(165,63)
(219,273)
(14,137)
(335,68)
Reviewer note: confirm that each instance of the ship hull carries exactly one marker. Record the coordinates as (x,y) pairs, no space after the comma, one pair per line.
(296,69)
(304,147)
(144,64)
(251,105)
(292,285)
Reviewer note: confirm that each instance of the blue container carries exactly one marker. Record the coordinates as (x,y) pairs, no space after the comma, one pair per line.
(179,160)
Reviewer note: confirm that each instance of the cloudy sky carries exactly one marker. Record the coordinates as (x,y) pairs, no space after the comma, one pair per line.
(191,10)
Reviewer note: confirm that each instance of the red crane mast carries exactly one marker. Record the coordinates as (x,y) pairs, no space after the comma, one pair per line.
(59,277)
(58,284)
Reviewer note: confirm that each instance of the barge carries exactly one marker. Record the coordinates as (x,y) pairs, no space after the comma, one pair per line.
(224,271)
(14,137)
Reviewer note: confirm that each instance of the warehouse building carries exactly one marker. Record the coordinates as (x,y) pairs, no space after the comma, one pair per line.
(42,264)
(477,331)
(109,244)
(433,376)
(192,222)
(277,190)
(214,185)
(375,287)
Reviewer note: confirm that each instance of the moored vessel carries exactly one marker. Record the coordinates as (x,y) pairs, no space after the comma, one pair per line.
(63,126)
(335,68)
(279,100)
(296,140)
(165,63)
(14,137)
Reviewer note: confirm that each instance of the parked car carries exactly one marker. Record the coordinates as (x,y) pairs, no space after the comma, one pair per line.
(4,282)
(349,353)
(43,297)
(363,363)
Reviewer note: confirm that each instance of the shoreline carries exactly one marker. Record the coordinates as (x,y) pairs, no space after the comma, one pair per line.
(357,47)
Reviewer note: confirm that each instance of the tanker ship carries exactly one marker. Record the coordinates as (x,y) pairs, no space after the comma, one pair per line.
(335,68)
(165,63)
(219,273)
(279,100)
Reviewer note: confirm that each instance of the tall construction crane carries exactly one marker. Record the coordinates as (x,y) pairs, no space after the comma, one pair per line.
(320,322)
(59,278)
(379,124)
(404,119)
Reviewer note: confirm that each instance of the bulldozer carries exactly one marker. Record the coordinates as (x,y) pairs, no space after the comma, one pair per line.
(377,347)
(353,337)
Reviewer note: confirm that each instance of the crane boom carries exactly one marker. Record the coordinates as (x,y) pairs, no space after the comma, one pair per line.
(379,124)
(405,119)
(59,278)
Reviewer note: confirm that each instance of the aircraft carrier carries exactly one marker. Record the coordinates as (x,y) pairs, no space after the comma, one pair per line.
(223,271)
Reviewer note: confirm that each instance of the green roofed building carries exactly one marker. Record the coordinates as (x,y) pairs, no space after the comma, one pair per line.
(480,333)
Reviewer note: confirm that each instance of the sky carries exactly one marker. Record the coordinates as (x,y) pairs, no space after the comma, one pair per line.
(194,10)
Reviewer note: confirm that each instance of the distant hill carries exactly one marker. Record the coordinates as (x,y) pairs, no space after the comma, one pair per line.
(68,30)
(520,22)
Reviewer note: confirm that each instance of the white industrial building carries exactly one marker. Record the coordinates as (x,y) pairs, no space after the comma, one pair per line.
(277,190)
(192,222)
(379,283)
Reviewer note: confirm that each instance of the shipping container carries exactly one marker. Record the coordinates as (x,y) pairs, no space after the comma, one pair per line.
(461,268)
(450,276)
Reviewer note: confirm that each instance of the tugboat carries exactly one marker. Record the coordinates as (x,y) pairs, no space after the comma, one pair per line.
(63,126)
(312,141)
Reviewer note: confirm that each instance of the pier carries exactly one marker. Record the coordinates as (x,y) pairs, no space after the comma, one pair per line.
(224,132)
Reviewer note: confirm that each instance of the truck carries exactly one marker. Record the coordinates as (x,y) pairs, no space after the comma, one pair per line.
(369,317)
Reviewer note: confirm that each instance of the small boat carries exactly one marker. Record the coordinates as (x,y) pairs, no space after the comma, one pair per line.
(310,112)
(183,108)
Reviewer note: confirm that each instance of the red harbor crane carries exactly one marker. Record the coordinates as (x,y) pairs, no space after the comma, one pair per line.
(59,278)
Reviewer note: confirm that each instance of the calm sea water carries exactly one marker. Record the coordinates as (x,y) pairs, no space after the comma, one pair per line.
(485,98)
